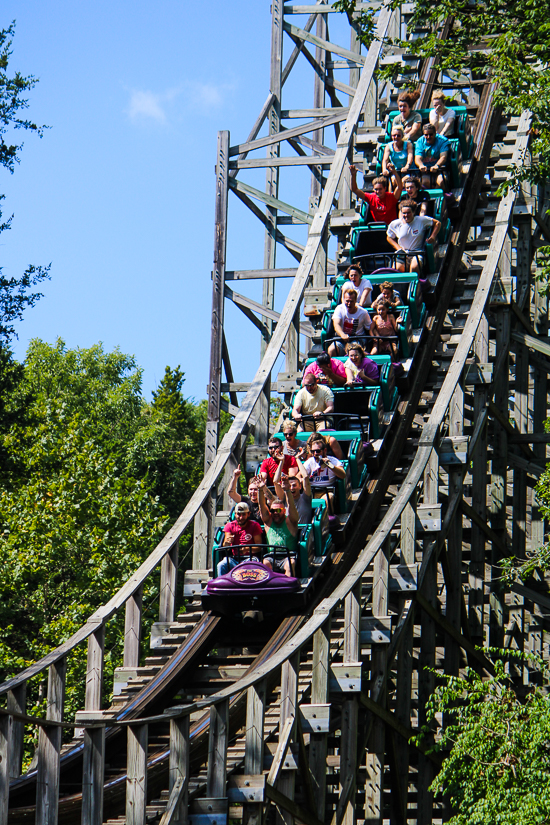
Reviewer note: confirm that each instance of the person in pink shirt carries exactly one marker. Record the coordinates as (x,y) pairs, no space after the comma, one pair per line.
(327,370)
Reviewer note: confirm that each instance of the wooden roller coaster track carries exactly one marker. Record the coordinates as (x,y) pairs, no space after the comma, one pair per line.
(311,720)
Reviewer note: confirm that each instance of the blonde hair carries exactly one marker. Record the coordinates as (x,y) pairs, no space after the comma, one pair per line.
(350,290)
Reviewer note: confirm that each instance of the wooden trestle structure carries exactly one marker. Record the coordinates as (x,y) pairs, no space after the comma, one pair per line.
(316,725)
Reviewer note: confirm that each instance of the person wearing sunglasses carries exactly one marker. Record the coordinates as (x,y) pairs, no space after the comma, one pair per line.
(281,530)
(269,465)
(323,469)
(300,490)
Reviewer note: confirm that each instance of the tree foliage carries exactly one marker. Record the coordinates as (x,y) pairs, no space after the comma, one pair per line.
(498,769)
(93,476)
(15,293)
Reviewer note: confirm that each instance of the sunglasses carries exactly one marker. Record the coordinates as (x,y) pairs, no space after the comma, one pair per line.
(317,451)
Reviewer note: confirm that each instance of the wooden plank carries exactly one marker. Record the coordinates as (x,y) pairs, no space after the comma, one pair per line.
(529,438)
(282,747)
(255,274)
(518,463)
(312,126)
(174,802)
(319,112)
(179,766)
(324,8)
(303,160)
(93,776)
(318,745)
(132,630)
(243,301)
(136,775)
(292,809)
(93,769)
(288,712)
(168,584)
(17,700)
(270,200)
(49,746)
(254,739)
(4,768)
(333,48)
(218,740)
(315,718)
(539,344)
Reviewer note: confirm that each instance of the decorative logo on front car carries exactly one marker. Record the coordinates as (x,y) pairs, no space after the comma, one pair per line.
(249,575)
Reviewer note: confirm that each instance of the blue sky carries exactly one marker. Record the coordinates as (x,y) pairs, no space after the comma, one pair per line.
(119,194)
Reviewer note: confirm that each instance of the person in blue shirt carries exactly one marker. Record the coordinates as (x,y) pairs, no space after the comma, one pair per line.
(430,156)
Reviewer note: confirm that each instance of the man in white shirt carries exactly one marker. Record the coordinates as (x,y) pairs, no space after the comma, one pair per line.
(408,235)
(356,280)
(350,321)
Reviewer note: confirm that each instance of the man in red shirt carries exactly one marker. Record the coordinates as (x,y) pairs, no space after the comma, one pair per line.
(239,534)
(382,204)
(268,467)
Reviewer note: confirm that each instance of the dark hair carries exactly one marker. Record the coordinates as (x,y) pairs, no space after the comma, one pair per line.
(416,182)
(357,267)
(429,127)
(323,358)
(409,97)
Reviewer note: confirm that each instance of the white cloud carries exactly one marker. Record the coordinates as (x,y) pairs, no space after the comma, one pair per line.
(207,95)
(204,97)
(146,105)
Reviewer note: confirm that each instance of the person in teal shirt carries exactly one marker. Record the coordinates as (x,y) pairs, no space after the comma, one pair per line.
(430,155)
(281,531)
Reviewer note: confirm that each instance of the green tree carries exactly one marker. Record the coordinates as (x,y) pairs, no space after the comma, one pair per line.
(86,495)
(498,769)
(15,293)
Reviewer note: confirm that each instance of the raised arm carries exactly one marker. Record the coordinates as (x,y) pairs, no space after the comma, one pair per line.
(292,518)
(354,188)
(232,491)
(304,476)
(277,478)
(264,509)
(398,188)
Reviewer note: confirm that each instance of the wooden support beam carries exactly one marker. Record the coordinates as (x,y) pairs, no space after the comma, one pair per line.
(262,163)
(136,775)
(179,768)
(4,767)
(218,740)
(132,630)
(255,274)
(324,44)
(17,700)
(405,731)
(93,770)
(299,813)
(320,695)
(49,746)
(312,126)
(269,200)
(168,584)
(434,614)
(288,711)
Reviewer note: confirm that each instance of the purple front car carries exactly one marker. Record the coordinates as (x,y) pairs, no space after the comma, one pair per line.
(251,585)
